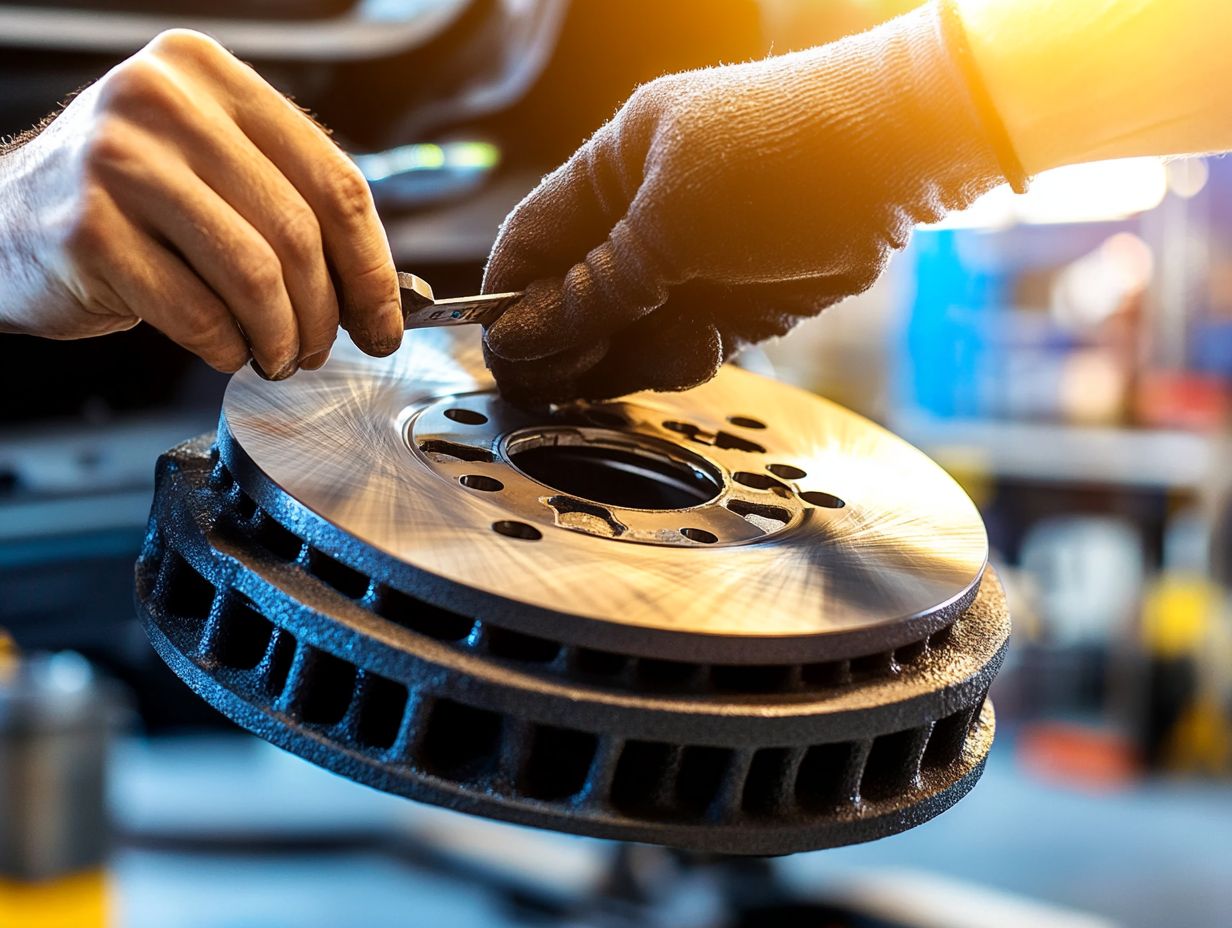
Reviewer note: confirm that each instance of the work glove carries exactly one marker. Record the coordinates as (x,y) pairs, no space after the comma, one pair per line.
(722,206)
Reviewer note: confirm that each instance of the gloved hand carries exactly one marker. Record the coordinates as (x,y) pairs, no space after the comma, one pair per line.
(183,189)
(721,206)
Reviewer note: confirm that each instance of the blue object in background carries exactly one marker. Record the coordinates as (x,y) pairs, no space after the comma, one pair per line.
(972,348)
(1210,348)
(949,346)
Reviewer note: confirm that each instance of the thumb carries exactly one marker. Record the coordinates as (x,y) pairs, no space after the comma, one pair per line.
(618,282)
(669,351)
(551,380)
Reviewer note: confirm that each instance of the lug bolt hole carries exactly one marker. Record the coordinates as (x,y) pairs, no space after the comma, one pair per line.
(822,500)
(746,422)
(786,471)
(480,482)
(761,482)
(700,535)
(466,416)
(521,530)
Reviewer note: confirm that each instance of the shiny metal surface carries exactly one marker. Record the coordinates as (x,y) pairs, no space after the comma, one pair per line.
(907,545)
(57,718)
(421,310)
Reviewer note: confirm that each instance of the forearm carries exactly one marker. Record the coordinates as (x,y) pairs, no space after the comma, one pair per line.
(1081,80)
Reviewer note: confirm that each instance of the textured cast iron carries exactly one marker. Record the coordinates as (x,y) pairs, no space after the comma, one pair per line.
(324,658)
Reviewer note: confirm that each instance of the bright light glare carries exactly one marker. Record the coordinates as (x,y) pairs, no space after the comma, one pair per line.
(428,157)
(1101,191)
(1092,387)
(1101,283)
(1187,176)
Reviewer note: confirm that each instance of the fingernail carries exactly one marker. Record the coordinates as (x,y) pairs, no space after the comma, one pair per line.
(314,361)
(385,345)
(290,368)
(282,374)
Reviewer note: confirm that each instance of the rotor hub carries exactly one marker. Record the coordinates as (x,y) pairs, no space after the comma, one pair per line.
(617,470)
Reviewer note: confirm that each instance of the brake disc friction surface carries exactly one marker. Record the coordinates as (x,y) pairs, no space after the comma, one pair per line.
(739,619)
(890,539)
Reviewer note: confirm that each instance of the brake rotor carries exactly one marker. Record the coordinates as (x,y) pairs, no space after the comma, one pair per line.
(739,619)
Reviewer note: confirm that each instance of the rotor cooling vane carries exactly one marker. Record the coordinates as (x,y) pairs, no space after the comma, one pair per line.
(739,619)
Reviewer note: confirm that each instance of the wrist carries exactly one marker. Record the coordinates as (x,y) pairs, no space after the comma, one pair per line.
(25,297)
(1079,80)
(1041,87)
(930,118)
(11,245)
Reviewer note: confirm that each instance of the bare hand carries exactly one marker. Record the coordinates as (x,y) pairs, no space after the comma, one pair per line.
(184,190)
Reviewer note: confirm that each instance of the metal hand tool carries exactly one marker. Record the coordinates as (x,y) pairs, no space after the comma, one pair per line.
(421,310)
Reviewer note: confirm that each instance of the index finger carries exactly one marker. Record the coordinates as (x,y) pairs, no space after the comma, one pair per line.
(355,243)
(570,211)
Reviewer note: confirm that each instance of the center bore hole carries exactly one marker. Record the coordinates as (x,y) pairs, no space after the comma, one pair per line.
(618,476)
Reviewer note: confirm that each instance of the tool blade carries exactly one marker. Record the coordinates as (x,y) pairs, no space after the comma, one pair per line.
(420,310)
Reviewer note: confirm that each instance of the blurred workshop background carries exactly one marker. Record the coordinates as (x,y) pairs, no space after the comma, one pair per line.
(1066,354)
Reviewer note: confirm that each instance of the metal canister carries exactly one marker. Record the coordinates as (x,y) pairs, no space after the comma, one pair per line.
(56,716)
